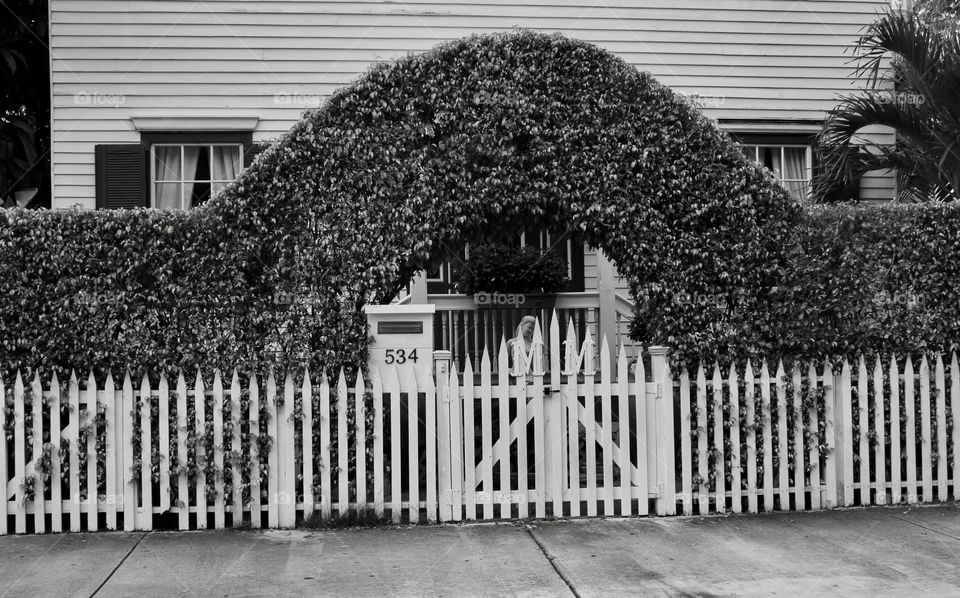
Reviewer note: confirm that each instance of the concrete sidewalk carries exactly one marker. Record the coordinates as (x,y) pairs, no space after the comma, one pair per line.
(858,552)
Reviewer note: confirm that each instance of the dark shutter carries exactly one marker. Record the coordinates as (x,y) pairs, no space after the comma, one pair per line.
(121,176)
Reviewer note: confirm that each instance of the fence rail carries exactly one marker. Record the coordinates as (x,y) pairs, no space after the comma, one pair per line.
(553,431)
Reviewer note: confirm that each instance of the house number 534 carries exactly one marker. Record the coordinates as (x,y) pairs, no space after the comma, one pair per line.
(400,356)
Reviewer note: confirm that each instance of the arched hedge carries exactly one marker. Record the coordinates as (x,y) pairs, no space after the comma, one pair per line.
(484,134)
(496,132)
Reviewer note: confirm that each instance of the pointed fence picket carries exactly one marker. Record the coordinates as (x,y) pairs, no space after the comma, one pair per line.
(439,448)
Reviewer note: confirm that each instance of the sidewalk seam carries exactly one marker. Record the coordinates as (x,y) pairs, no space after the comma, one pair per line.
(120,564)
(553,561)
(929,529)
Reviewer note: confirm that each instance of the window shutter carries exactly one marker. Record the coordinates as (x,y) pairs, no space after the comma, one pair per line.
(121,176)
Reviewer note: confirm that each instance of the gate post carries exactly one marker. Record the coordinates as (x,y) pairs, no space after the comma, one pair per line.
(441,371)
(666,474)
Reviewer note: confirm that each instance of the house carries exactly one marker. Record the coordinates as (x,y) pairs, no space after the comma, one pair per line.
(159,103)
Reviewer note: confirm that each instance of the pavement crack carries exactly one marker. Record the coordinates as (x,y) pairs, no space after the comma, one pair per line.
(552,559)
(120,564)
(929,529)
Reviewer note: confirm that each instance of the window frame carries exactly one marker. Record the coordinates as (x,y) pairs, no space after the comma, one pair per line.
(782,140)
(181,180)
(151,139)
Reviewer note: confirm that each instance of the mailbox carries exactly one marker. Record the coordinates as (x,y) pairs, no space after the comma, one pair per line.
(402,337)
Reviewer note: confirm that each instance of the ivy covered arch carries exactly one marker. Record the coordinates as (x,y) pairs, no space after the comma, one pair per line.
(499,131)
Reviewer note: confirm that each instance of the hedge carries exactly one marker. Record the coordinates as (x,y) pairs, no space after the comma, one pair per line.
(140,288)
(498,132)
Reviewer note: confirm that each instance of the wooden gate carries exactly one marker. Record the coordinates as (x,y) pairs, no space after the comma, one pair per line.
(540,436)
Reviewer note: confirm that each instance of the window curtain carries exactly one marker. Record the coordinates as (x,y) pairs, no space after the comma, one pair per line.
(191,155)
(225,166)
(168,168)
(795,170)
(770,157)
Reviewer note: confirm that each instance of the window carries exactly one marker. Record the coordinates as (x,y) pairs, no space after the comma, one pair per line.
(170,169)
(187,175)
(792,164)
(568,247)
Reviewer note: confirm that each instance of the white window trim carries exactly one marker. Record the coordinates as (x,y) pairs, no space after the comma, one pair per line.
(809,161)
(181,180)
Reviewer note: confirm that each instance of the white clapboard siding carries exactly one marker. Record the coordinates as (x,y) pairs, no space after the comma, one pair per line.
(759,62)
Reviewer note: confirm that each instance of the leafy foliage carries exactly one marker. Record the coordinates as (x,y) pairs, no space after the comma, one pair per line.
(870,279)
(919,98)
(505,269)
(489,133)
(499,132)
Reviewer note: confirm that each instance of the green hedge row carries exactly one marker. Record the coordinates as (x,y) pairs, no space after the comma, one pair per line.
(867,278)
(147,288)
(496,132)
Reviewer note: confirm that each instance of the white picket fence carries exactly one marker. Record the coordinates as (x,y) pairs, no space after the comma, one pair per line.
(887,435)
(557,436)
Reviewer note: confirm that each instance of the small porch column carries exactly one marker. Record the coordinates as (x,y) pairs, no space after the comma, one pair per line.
(418,288)
(607,290)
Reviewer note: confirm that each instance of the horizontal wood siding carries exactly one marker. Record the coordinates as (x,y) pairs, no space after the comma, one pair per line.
(753,60)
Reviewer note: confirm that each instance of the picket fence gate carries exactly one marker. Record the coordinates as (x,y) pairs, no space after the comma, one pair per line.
(553,437)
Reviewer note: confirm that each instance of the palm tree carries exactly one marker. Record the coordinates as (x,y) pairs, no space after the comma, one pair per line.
(919,98)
